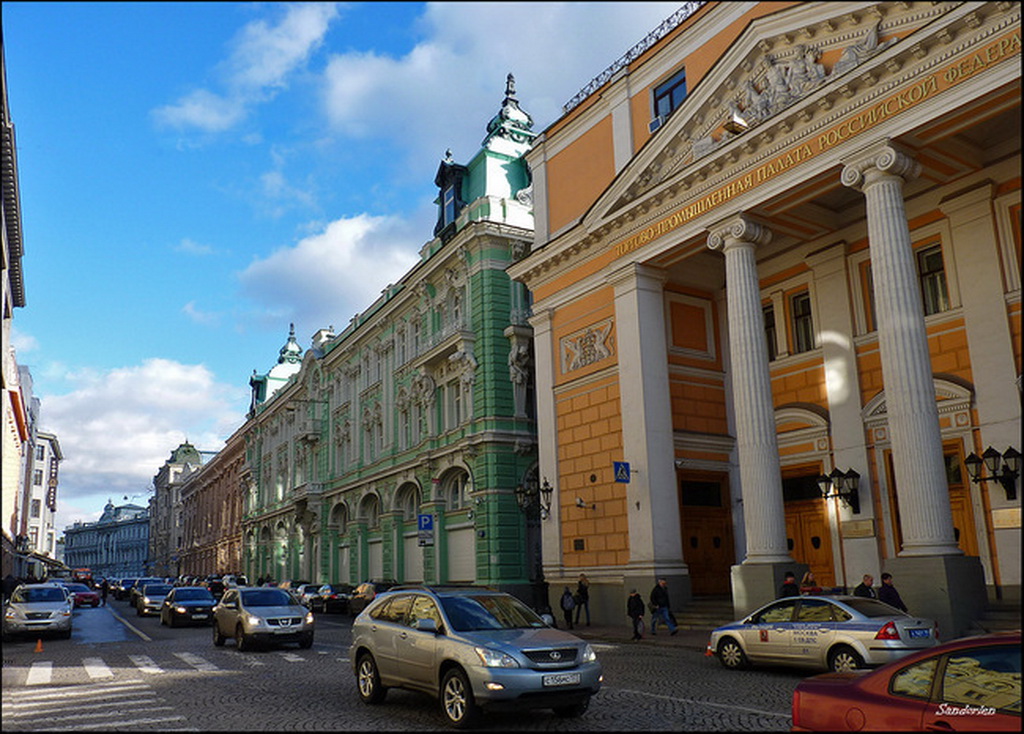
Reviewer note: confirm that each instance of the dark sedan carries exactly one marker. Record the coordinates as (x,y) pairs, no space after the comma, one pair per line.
(187,605)
(970,684)
(332,598)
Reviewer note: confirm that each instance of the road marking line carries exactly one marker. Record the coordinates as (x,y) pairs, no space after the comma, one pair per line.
(49,701)
(292,657)
(698,702)
(145,664)
(78,715)
(131,722)
(96,668)
(83,689)
(39,674)
(134,629)
(196,662)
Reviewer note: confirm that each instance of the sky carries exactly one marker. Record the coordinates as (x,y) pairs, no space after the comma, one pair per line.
(195,177)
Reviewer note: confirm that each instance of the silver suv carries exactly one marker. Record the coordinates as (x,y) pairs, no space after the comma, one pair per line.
(472,648)
(261,615)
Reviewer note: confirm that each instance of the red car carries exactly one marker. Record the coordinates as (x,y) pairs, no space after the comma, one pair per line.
(84,596)
(970,684)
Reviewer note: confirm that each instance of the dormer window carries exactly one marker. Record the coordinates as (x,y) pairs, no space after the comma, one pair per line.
(449,204)
(449,182)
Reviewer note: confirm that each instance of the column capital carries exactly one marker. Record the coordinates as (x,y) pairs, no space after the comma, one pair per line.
(633,274)
(882,157)
(740,228)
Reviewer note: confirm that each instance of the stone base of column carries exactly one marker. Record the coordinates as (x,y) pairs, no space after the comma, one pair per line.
(949,589)
(756,584)
(680,592)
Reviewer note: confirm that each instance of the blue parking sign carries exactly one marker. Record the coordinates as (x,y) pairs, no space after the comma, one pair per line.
(426,529)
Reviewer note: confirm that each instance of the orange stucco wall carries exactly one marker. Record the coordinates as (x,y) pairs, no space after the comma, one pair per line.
(578,174)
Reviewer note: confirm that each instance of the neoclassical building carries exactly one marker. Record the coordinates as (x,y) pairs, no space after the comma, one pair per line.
(166,533)
(116,545)
(777,256)
(395,449)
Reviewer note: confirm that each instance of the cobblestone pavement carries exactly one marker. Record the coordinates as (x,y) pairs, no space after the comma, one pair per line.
(176,680)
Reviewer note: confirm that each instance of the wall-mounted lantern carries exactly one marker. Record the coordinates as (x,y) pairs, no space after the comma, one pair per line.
(529,494)
(1003,468)
(843,485)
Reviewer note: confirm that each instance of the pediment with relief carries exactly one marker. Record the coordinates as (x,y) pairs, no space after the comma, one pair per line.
(767,72)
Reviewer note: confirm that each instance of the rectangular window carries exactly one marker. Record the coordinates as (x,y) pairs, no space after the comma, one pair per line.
(454,404)
(37,477)
(803,326)
(449,204)
(40,453)
(933,280)
(670,94)
(37,507)
(868,284)
(769,332)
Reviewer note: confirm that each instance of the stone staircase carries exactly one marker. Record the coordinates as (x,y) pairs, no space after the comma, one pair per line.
(705,612)
(1000,615)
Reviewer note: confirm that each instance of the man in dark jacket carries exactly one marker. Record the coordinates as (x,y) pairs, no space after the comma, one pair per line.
(660,610)
(789,587)
(635,610)
(864,588)
(887,593)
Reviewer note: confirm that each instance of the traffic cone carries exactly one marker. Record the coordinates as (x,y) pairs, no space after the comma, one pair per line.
(39,644)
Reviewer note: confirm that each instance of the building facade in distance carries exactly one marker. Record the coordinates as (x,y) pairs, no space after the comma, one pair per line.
(165,534)
(116,545)
(776,275)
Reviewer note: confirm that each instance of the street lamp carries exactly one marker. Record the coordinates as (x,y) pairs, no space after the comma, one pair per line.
(1003,468)
(843,485)
(528,495)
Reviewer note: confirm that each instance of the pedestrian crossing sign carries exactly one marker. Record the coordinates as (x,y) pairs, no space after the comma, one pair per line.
(621,471)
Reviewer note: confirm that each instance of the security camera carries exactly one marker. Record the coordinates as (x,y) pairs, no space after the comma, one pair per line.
(580,502)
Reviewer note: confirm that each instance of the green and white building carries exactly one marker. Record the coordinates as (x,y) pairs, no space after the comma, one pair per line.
(395,449)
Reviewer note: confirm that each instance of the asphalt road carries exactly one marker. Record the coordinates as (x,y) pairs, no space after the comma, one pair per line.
(121,672)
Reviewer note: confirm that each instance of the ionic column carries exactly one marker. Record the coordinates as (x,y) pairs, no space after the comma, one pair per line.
(879,172)
(757,447)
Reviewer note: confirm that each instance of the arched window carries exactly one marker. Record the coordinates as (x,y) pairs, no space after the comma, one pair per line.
(339,518)
(408,502)
(454,488)
(369,510)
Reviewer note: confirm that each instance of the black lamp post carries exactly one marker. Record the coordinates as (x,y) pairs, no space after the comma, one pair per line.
(844,485)
(1003,468)
(535,502)
(529,495)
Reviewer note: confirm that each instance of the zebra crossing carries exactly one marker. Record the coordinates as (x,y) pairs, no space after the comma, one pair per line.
(96,693)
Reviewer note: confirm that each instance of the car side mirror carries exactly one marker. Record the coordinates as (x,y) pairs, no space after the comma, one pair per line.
(427,625)
(548,620)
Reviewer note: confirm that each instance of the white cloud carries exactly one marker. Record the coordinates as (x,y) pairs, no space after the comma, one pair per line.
(199,316)
(117,427)
(191,247)
(262,59)
(335,272)
(442,92)
(23,343)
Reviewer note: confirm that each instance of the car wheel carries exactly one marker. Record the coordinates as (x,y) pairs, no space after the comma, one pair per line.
(163,620)
(573,711)
(218,638)
(731,655)
(242,640)
(306,642)
(457,702)
(843,659)
(171,621)
(368,680)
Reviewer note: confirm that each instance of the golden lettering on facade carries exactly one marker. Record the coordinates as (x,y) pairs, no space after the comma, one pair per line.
(848,128)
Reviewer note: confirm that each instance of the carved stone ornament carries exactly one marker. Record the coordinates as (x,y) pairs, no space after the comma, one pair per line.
(586,347)
(884,158)
(736,230)
(520,361)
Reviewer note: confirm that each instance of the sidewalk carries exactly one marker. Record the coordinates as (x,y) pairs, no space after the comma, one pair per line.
(693,639)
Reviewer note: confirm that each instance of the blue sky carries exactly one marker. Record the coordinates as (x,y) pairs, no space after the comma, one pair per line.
(197,176)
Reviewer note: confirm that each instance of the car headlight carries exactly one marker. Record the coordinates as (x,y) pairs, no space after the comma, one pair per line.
(253,620)
(10,613)
(146,600)
(309,617)
(589,655)
(180,610)
(495,658)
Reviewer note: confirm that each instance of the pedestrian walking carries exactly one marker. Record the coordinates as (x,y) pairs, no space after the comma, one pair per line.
(104,590)
(789,587)
(887,593)
(635,610)
(568,604)
(864,588)
(660,609)
(583,597)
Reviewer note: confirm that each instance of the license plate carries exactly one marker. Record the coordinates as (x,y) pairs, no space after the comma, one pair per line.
(562,679)
(284,630)
(919,633)
(199,616)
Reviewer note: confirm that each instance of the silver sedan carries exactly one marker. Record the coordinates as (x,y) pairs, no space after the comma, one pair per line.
(839,633)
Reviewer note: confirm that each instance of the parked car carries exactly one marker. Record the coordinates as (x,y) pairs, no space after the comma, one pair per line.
(839,633)
(136,591)
(233,580)
(124,588)
(968,684)
(215,584)
(82,595)
(332,599)
(152,598)
(306,592)
(187,604)
(261,615)
(473,648)
(37,608)
(367,592)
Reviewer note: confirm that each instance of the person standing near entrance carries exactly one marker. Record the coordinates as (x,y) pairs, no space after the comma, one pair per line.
(887,593)
(568,604)
(864,588)
(660,609)
(635,610)
(789,587)
(583,597)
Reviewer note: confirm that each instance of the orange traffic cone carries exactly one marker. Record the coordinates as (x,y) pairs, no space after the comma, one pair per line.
(39,644)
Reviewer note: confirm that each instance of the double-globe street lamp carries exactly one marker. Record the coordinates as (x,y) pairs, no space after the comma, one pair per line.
(534,501)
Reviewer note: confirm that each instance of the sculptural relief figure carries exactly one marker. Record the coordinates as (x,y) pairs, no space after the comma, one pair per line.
(805,73)
(859,52)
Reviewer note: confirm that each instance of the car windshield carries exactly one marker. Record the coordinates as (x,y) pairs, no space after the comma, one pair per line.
(873,608)
(77,588)
(38,595)
(182,594)
(488,612)
(158,589)
(266,598)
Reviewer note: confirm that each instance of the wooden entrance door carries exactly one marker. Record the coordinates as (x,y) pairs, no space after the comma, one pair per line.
(809,538)
(706,523)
